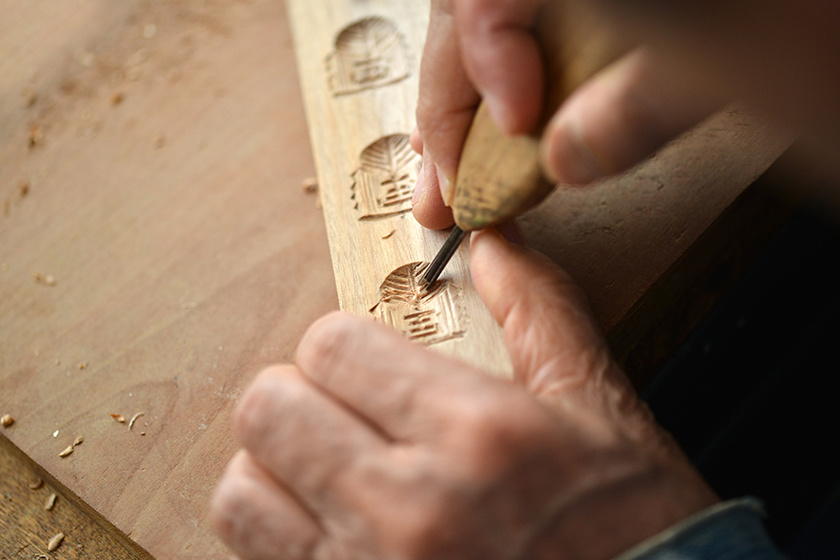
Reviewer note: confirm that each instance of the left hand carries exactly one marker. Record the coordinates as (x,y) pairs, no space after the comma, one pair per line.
(374,447)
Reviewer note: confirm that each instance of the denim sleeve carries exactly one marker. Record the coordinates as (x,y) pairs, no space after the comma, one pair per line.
(731,530)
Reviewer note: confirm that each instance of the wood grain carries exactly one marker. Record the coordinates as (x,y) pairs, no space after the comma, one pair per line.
(358,65)
(165,199)
(26,526)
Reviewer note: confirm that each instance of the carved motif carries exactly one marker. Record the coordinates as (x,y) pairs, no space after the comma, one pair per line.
(384,183)
(425,316)
(370,53)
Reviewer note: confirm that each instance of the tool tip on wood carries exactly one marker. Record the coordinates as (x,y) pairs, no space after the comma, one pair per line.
(444,256)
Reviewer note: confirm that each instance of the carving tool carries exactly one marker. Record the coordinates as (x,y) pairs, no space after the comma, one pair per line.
(499,176)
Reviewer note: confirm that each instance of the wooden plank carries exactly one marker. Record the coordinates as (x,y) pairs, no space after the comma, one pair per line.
(358,65)
(621,237)
(26,526)
(165,199)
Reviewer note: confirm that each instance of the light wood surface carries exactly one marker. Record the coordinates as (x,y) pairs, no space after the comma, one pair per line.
(156,234)
(165,200)
(367,170)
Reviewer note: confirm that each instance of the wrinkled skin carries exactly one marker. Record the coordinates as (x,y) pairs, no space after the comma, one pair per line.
(370,446)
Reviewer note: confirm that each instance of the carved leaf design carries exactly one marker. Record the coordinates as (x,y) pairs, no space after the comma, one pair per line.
(367,39)
(392,157)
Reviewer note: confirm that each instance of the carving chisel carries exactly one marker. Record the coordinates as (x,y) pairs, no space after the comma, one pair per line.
(499,176)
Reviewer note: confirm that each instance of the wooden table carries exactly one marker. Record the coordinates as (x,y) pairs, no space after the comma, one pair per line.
(157,250)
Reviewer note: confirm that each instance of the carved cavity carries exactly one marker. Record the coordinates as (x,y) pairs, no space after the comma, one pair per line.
(369,53)
(425,316)
(384,183)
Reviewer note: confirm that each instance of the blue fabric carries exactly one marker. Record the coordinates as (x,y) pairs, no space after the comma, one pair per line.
(732,530)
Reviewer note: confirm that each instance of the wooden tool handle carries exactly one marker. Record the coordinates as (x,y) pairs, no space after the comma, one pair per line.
(500,176)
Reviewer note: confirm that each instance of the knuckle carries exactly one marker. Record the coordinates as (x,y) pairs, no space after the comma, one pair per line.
(251,413)
(327,340)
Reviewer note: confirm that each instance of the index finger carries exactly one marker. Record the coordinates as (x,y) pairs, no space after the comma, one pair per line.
(401,388)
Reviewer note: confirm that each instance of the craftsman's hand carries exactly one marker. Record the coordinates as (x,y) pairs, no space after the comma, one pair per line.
(485,49)
(374,447)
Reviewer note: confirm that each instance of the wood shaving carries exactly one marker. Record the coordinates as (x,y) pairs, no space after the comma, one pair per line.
(55,542)
(37,484)
(134,418)
(45,279)
(67,451)
(50,503)
(310,185)
(389,234)
(7,420)
(36,136)
(78,441)
(142,433)
(119,418)
(83,365)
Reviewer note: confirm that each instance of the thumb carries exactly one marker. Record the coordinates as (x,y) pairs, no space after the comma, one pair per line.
(551,335)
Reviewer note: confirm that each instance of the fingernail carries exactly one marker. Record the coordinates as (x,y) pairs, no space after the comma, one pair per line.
(445,186)
(499,113)
(418,187)
(569,158)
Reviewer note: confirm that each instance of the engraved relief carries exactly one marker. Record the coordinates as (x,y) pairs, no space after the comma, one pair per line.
(425,316)
(384,183)
(370,53)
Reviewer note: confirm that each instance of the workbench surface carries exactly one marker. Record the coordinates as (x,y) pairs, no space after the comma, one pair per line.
(158,249)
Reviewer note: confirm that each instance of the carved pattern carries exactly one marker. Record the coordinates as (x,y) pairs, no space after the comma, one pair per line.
(369,54)
(384,183)
(425,316)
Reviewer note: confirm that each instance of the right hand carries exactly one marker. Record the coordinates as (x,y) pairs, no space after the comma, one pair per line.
(486,49)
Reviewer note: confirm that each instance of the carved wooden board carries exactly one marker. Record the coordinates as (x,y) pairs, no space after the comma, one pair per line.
(358,65)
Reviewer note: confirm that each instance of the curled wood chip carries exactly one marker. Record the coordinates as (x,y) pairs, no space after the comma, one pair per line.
(389,234)
(83,365)
(142,433)
(134,418)
(67,451)
(7,420)
(78,441)
(37,484)
(50,503)
(119,418)
(55,542)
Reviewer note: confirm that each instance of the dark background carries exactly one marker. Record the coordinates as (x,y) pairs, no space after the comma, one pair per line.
(752,394)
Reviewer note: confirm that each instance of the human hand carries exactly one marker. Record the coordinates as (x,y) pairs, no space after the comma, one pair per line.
(483,49)
(374,447)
